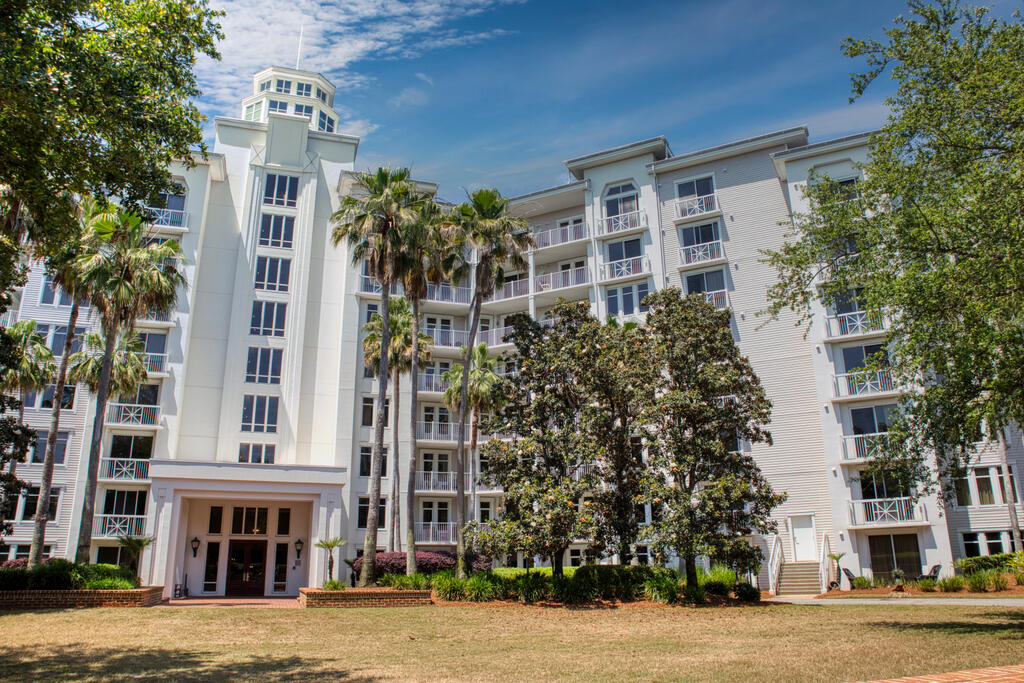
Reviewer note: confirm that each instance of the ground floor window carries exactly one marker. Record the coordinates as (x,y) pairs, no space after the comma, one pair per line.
(978,543)
(575,557)
(20,551)
(642,556)
(364,511)
(210,567)
(281,568)
(249,521)
(895,551)
(108,554)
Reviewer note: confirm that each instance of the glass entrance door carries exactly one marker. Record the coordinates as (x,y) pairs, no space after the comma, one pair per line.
(247,567)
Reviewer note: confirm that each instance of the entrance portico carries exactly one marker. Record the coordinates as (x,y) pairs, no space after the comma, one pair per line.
(240,528)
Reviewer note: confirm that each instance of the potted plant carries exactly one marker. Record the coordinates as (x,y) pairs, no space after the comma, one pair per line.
(835,557)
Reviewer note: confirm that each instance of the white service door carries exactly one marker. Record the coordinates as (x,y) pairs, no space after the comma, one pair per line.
(804,547)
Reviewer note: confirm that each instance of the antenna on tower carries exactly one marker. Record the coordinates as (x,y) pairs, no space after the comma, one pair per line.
(298,52)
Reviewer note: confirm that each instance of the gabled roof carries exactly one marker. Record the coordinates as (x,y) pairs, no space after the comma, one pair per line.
(657,146)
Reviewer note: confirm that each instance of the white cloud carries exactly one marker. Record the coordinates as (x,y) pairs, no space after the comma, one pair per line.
(426,79)
(409,97)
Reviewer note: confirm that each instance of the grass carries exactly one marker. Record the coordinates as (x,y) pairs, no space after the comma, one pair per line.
(775,642)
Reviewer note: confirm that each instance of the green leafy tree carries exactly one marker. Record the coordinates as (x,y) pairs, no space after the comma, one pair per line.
(35,367)
(128,275)
(372,222)
(329,545)
(708,495)
(400,356)
(542,468)
(932,236)
(15,440)
(498,241)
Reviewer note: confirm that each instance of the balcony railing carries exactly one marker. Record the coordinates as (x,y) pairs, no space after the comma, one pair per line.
(431,382)
(436,481)
(448,338)
(115,526)
(691,207)
(447,293)
(495,337)
(863,383)
(637,265)
(718,298)
(562,279)
(562,234)
(168,218)
(623,222)
(435,532)
(700,253)
(885,511)
(510,290)
(159,316)
(584,471)
(8,318)
(436,431)
(133,414)
(857,322)
(156,362)
(124,469)
(865,446)
(371,286)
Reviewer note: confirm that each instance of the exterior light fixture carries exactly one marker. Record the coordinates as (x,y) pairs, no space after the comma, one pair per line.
(195,546)
(298,548)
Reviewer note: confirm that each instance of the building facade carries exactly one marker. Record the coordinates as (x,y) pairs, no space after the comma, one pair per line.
(251,440)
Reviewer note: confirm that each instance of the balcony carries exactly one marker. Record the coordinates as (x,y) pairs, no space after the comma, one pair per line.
(553,236)
(886,512)
(718,298)
(156,319)
(585,470)
(495,337)
(443,482)
(156,363)
(625,268)
(625,222)
(446,293)
(861,447)
(562,279)
(695,207)
(115,526)
(511,290)
(700,254)
(369,285)
(431,382)
(174,219)
(435,532)
(863,384)
(132,415)
(8,318)
(448,338)
(124,469)
(855,323)
(436,431)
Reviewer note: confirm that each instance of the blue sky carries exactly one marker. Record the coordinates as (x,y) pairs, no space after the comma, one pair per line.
(500,92)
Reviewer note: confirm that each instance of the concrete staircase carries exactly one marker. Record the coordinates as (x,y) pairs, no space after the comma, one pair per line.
(799,578)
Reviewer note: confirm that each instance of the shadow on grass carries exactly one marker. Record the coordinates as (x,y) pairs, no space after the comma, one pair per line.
(1008,625)
(74,662)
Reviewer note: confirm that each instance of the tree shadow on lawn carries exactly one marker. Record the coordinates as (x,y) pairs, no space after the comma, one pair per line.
(75,662)
(1008,625)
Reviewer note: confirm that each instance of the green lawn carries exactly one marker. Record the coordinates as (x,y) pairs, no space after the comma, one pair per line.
(772,642)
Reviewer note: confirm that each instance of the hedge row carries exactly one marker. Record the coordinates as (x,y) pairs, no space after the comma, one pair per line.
(1004,562)
(57,574)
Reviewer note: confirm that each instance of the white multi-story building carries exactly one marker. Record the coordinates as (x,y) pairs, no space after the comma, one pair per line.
(251,441)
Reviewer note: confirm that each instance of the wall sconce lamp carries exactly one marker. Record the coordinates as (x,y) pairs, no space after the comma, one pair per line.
(195,546)
(298,548)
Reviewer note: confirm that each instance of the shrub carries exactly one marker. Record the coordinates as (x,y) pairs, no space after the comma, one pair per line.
(927,585)
(426,563)
(716,588)
(20,563)
(97,572)
(695,595)
(662,588)
(448,587)
(1018,578)
(951,584)
(879,581)
(412,582)
(861,582)
(746,592)
(973,565)
(532,587)
(478,588)
(979,581)
(617,582)
(998,580)
(721,574)
(110,583)
(387,580)
(333,585)
(13,579)
(570,590)
(55,575)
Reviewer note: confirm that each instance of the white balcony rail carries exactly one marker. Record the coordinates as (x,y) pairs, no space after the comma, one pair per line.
(562,234)
(637,265)
(622,222)
(436,481)
(156,362)
(700,253)
(863,383)
(718,298)
(495,337)
(857,322)
(584,471)
(114,526)
(562,279)
(883,511)
(775,558)
(124,469)
(447,293)
(371,286)
(8,318)
(435,532)
(161,316)
(865,446)
(510,290)
(168,218)
(448,338)
(132,414)
(431,382)
(688,207)
(436,431)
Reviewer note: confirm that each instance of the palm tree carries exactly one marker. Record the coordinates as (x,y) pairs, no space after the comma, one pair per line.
(128,274)
(400,350)
(34,368)
(484,396)
(499,240)
(128,367)
(329,544)
(66,272)
(133,547)
(372,223)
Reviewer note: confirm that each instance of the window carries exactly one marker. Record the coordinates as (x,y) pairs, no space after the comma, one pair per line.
(267,319)
(210,566)
(983,543)
(264,86)
(712,281)
(284,521)
(22,550)
(321,95)
(127,446)
(276,231)
(963,492)
(371,310)
(249,521)
(627,299)
(272,273)
(39,451)
(263,366)
(364,512)
(575,557)
(304,110)
(259,413)
(856,357)
(52,295)
(986,494)
(485,511)
(125,503)
(254,111)
(31,500)
(281,568)
(256,453)
(325,123)
(873,420)
(303,89)
(109,554)
(434,511)
(216,520)
(626,249)
(145,395)
(873,488)
(368,411)
(980,485)
(277,107)
(366,459)
(620,199)
(45,399)
(283,86)
(153,342)
(699,187)
(700,234)
(60,337)
(435,462)
(1002,484)
(281,190)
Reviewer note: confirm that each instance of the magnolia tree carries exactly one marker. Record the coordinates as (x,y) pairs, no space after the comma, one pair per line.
(709,496)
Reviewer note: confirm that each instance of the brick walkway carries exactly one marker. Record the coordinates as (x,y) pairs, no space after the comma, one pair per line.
(995,674)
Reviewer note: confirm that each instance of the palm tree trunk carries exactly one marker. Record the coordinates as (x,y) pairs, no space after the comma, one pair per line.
(393,514)
(369,571)
(35,555)
(95,449)
(410,496)
(1007,486)
(21,423)
(472,462)
(460,463)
